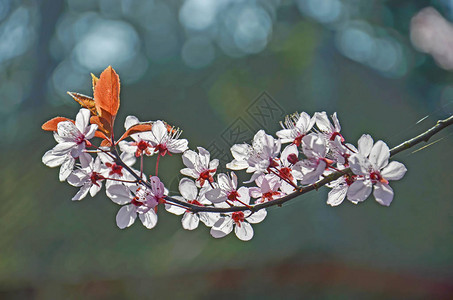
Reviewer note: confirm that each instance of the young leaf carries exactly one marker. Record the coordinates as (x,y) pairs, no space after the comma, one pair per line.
(52,124)
(136,129)
(94,79)
(106,95)
(84,101)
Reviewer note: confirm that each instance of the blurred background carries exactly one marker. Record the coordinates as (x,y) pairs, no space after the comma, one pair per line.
(207,66)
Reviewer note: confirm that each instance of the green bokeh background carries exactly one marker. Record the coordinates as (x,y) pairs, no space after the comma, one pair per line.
(52,248)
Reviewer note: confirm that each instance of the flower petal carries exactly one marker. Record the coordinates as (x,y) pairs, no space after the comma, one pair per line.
(257,217)
(190,221)
(188,189)
(365,144)
(119,193)
(82,119)
(394,171)
(149,219)
(337,195)
(126,216)
(82,192)
(244,232)
(359,190)
(222,227)
(383,194)
(380,154)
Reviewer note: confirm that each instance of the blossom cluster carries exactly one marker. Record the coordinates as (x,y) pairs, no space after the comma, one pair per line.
(306,150)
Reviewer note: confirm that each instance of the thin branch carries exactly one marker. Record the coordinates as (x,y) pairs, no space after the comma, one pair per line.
(424,137)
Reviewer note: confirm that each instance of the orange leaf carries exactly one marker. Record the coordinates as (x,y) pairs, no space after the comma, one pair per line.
(100,134)
(84,101)
(136,129)
(106,143)
(52,124)
(107,95)
(94,79)
(103,125)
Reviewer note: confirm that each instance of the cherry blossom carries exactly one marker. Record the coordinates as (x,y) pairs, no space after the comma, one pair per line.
(226,190)
(314,146)
(139,200)
(296,126)
(374,170)
(141,144)
(266,189)
(88,177)
(199,166)
(72,138)
(240,221)
(331,131)
(189,193)
(255,158)
(164,140)
(65,161)
(114,171)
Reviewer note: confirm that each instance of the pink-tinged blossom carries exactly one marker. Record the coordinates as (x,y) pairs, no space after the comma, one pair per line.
(141,144)
(330,131)
(164,141)
(71,139)
(114,171)
(284,168)
(340,189)
(88,177)
(296,126)
(314,147)
(189,193)
(65,161)
(199,166)
(267,188)
(341,185)
(374,170)
(255,158)
(139,200)
(226,190)
(240,221)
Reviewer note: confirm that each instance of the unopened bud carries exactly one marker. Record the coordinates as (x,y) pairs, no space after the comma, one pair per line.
(292,158)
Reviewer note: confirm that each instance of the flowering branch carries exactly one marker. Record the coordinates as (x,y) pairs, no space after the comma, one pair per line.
(423,137)
(317,155)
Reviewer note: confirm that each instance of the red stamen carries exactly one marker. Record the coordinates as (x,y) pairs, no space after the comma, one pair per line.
(238,217)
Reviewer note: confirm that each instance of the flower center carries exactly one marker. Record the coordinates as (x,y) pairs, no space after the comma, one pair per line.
(95,177)
(80,139)
(298,140)
(285,173)
(375,177)
(135,202)
(350,179)
(233,196)
(238,217)
(292,158)
(269,195)
(335,134)
(161,148)
(115,169)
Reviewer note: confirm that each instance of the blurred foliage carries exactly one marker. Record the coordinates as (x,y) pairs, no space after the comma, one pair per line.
(200,65)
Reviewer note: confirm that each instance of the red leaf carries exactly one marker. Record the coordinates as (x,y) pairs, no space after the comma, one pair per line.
(107,95)
(103,125)
(136,129)
(52,124)
(84,101)
(106,143)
